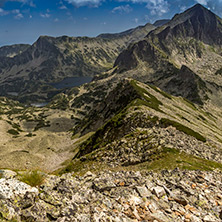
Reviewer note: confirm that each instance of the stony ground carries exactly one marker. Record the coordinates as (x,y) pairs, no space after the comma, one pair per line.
(191,196)
(145,143)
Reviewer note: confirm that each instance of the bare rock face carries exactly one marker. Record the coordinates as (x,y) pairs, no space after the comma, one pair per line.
(7,174)
(117,196)
(158,191)
(9,188)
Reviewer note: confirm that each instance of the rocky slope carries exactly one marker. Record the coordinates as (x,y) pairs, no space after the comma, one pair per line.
(161,22)
(137,123)
(115,196)
(46,137)
(13,50)
(132,34)
(29,74)
(191,39)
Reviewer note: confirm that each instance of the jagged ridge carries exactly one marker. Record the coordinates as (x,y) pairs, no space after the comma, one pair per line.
(189,39)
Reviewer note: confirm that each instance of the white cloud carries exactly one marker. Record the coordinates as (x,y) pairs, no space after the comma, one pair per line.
(79,3)
(203,2)
(147,18)
(16,11)
(122,9)
(46,15)
(3,12)
(19,16)
(183,8)
(63,7)
(157,7)
(136,20)
(25,2)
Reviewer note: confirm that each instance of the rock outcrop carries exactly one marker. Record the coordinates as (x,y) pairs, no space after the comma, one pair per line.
(118,196)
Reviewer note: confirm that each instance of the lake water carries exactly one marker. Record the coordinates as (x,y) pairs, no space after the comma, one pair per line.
(39,105)
(12,93)
(71,82)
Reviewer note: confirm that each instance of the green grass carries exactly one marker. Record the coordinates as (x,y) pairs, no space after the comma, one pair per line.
(168,96)
(147,98)
(167,158)
(172,158)
(97,139)
(79,167)
(13,132)
(167,122)
(189,104)
(33,178)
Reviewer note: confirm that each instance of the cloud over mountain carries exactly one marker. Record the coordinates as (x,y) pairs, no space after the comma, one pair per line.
(79,3)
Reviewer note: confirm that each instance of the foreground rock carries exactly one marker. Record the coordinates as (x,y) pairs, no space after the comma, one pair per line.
(117,196)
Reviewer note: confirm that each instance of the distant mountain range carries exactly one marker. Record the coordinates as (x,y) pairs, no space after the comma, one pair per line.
(163,93)
(27,71)
(169,54)
(13,50)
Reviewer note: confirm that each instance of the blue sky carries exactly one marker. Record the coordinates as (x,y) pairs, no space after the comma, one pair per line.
(23,21)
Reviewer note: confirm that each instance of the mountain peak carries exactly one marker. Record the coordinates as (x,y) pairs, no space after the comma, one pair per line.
(198,5)
(197,22)
(198,8)
(195,11)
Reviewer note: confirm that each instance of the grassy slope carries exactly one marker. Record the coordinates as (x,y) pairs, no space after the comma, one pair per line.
(167,159)
(161,109)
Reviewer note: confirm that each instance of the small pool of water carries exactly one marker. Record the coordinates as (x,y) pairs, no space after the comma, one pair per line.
(12,93)
(39,104)
(71,82)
